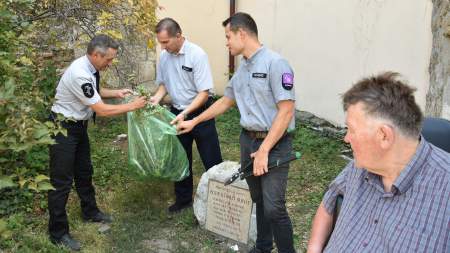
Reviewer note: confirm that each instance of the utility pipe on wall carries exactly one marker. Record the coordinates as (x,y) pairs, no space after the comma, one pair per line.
(230,57)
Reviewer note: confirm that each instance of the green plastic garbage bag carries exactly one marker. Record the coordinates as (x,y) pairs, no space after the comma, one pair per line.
(153,147)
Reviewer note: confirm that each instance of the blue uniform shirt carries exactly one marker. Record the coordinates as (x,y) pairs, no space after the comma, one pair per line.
(185,74)
(258,85)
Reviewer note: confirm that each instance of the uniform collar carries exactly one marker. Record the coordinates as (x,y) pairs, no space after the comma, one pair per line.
(406,178)
(254,56)
(89,64)
(183,47)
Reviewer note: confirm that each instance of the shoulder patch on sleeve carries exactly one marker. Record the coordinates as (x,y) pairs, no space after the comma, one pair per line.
(287,81)
(88,90)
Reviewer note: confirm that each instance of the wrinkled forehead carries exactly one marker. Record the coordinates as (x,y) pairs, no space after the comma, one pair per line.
(111,53)
(356,114)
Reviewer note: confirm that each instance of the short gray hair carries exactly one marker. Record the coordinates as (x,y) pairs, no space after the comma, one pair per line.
(387,97)
(101,43)
(170,25)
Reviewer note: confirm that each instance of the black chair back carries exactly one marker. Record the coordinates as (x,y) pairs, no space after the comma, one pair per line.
(437,132)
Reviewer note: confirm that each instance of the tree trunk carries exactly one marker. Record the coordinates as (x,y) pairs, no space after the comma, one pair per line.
(438,96)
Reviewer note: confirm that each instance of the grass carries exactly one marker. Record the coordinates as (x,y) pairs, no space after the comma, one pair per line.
(141,223)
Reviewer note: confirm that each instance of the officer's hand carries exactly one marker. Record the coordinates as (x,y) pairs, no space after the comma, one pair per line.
(178,119)
(123,93)
(154,101)
(260,160)
(139,102)
(185,126)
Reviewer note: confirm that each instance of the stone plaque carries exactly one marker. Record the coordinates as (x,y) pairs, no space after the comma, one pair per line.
(228,211)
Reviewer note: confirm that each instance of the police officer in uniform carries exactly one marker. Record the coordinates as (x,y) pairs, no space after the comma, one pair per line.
(184,73)
(78,98)
(262,88)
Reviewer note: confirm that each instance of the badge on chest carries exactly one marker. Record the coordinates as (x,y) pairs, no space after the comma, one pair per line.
(259,75)
(185,68)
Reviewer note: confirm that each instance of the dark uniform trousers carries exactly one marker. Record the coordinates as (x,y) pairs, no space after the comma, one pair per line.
(269,193)
(70,160)
(207,141)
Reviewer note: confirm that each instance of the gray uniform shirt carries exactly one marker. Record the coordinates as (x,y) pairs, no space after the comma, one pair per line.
(413,217)
(76,90)
(184,75)
(258,85)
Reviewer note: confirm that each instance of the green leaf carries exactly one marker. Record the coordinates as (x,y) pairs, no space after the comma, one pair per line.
(45,186)
(2,226)
(6,182)
(49,124)
(32,186)
(22,182)
(40,132)
(6,235)
(10,86)
(39,178)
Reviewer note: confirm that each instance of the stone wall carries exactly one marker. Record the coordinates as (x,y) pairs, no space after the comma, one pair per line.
(136,65)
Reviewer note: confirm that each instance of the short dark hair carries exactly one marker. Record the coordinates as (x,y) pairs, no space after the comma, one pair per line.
(241,20)
(387,97)
(101,43)
(170,25)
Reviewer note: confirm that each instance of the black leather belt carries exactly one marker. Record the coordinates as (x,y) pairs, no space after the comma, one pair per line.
(260,134)
(69,122)
(255,134)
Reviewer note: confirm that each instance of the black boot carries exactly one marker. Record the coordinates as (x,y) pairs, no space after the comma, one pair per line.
(99,217)
(177,207)
(67,241)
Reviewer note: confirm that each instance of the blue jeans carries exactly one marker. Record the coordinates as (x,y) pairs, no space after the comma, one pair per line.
(269,193)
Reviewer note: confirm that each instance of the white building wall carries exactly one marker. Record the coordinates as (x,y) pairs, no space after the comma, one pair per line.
(201,24)
(330,44)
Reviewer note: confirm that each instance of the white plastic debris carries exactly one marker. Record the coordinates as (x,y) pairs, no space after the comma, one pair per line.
(121,137)
(104,228)
(234,248)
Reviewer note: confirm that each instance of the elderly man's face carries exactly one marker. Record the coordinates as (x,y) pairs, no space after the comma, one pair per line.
(362,137)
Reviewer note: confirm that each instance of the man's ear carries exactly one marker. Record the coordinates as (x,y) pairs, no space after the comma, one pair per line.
(96,54)
(242,33)
(386,135)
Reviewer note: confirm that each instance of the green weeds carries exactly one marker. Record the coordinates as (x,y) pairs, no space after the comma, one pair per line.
(139,207)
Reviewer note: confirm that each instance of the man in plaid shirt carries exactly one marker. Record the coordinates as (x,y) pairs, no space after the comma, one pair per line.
(396,191)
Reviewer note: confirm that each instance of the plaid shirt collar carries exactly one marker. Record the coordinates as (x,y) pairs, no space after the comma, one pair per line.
(406,178)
